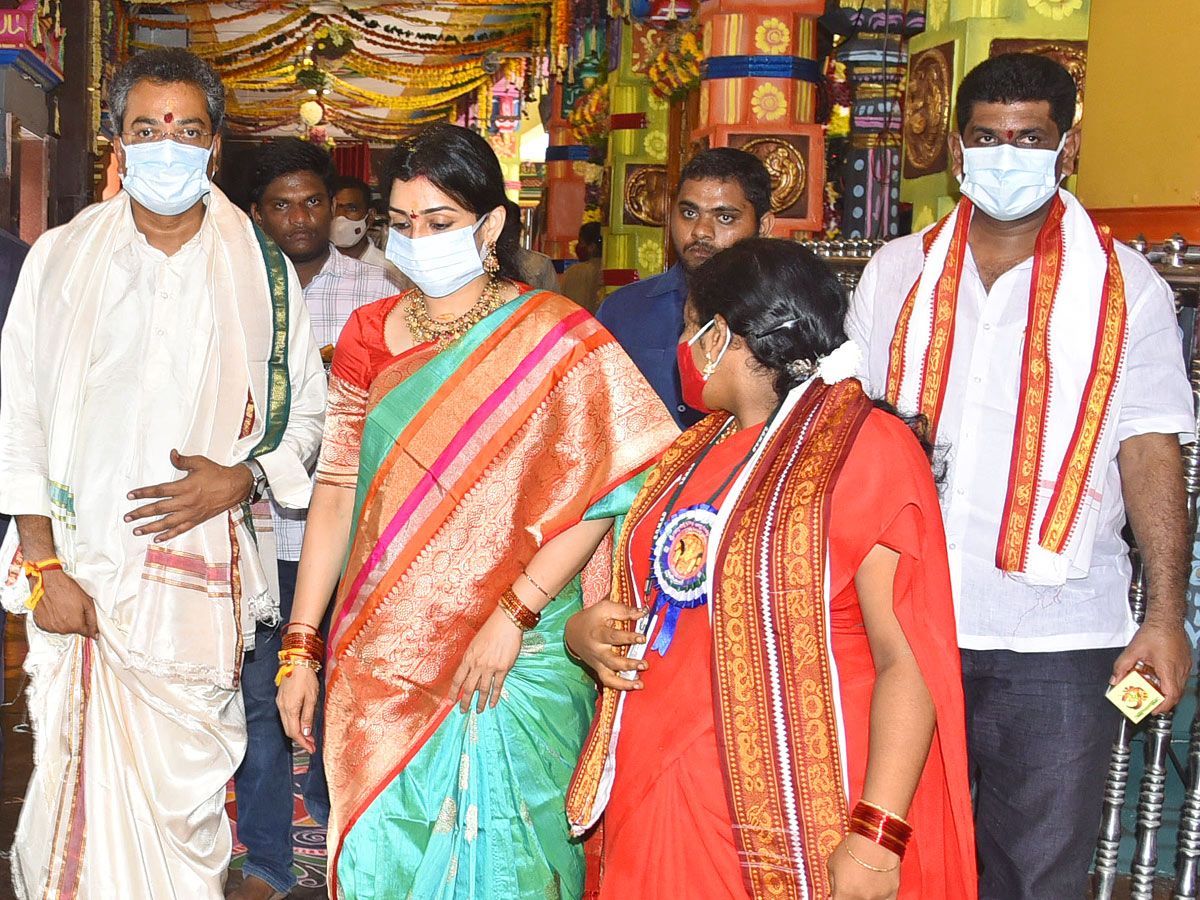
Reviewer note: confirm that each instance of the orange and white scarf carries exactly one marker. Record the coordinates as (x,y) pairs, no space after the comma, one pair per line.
(1071,369)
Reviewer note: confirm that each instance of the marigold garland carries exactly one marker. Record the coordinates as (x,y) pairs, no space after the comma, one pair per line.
(155,22)
(675,68)
(407,101)
(590,117)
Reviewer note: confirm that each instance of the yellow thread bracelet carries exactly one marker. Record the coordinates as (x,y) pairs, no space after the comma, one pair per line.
(34,570)
(289,659)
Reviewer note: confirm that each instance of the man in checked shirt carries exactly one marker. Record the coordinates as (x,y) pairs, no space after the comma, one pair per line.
(291,200)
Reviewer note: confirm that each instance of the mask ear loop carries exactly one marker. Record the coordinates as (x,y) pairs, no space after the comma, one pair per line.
(711,364)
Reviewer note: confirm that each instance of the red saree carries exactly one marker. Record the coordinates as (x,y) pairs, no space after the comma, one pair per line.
(686,764)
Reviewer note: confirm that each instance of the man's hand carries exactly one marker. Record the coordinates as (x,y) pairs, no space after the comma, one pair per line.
(1166,648)
(65,608)
(208,490)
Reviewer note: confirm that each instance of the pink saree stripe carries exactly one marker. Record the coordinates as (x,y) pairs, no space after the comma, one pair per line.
(193,565)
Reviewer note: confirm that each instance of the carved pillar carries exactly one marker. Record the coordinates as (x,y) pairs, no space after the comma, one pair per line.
(637,152)
(566,186)
(876,59)
(758,93)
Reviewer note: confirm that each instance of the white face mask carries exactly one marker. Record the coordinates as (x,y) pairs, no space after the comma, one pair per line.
(346,232)
(439,264)
(165,176)
(1008,182)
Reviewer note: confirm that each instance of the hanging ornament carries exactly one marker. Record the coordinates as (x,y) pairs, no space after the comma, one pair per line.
(311,112)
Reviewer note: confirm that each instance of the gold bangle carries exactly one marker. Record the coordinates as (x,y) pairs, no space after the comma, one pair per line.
(867,865)
(541,590)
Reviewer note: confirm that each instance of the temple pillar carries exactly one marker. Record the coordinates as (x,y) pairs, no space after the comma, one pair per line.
(758,93)
(960,34)
(639,198)
(565,190)
(876,59)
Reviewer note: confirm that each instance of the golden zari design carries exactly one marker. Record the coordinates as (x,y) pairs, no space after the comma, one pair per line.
(1026,471)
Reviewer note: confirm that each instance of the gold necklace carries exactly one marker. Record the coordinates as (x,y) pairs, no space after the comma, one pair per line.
(423,327)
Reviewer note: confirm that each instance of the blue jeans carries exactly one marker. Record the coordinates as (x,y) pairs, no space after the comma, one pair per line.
(1039,735)
(263,782)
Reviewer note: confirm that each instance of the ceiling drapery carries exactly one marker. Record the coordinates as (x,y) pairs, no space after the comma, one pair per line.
(377,70)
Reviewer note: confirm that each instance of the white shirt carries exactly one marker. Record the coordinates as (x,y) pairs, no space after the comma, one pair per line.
(994,610)
(373,256)
(342,286)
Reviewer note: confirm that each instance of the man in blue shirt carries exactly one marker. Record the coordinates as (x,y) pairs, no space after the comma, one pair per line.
(724,196)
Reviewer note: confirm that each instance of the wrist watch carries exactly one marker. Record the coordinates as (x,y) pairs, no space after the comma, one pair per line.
(259,487)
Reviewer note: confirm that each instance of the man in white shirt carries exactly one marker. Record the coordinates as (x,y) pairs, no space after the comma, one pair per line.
(350,231)
(1047,360)
(159,374)
(292,201)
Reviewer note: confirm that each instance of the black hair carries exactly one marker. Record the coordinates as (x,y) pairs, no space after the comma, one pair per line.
(284,156)
(590,233)
(167,66)
(462,165)
(779,298)
(511,233)
(1018,78)
(351,183)
(787,305)
(731,164)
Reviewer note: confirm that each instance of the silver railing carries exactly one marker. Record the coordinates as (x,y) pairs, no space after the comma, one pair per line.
(1179,264)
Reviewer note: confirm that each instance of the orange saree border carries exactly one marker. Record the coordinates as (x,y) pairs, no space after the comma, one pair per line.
(587,784)
(775,685)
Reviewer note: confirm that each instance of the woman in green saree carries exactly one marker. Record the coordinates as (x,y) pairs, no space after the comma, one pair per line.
(480,440)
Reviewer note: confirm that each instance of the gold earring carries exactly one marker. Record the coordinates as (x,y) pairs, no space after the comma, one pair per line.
(491,264)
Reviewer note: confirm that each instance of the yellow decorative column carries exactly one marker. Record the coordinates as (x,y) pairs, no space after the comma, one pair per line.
(758,93)
(960,34)
(640,199)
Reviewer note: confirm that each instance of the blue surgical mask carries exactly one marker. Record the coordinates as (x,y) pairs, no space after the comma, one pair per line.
(1009,182)
(439,264)
(165,176)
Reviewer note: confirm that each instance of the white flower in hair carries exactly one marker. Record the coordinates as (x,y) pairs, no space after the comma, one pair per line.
(840,364)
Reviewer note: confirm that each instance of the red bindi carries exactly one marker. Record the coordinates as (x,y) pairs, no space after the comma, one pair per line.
(1009,132)
(170,117)
(413,215)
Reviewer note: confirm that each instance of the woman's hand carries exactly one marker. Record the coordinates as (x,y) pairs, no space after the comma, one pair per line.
(850,880)
(487,662)
(297,702)
(593,636)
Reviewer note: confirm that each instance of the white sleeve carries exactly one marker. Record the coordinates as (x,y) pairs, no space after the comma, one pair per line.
(1156,398)
(287,466)
(24,485)
(858,326)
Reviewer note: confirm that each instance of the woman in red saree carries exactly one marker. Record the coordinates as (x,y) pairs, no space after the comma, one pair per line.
(480,439)
(779,656)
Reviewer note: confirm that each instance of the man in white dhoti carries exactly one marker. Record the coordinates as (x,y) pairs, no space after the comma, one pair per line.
(159,372)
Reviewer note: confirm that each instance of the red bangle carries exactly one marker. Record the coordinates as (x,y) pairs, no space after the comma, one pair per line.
(522,616)
(314,628)
(878,825)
